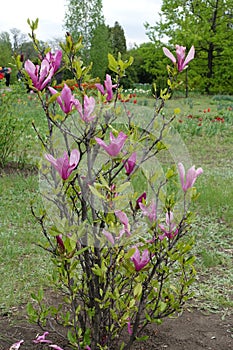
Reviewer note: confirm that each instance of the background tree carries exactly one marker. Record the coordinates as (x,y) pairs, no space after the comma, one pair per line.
(118,41)
(18,38)
(207,25)
(6,55)
(28,51)
(82,17)
(5,49)
(100,47)
(148,65)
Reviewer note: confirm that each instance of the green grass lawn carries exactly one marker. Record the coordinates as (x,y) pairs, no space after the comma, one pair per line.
(23,265)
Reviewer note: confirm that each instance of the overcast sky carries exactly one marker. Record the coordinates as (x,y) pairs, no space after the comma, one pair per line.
(131,14)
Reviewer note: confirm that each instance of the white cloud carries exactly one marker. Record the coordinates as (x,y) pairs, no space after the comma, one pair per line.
(131,15)
(49,12)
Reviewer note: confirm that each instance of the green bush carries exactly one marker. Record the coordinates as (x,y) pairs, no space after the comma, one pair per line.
(11,127)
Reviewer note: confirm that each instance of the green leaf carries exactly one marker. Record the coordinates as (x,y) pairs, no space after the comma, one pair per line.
(148,317)
(123,187)
(54,97)
(160,146)
(104,182)
(32,313)
(96,192)
(137,290)
(40,294)
(143,338)
(162,306)
(71,337)
(190,260)
(132,303)
(122,346)
(112,63)
(97,270)
(33,296)
(130,253)
(170,173)
(81,251)
(53,231)
(87,337)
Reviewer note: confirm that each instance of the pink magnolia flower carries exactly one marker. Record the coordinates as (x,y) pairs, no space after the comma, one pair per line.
(114,148)
(149,211)
(181,61)
(171,230)
(108,86)
(87,109)
(16,345)
(42,74)
(191,176)
(125,221)
(140,261)
(41,339)
(126,227)
(60,243)
(64,165)
(140,199)
(130,163)
(66,100)
(54,59)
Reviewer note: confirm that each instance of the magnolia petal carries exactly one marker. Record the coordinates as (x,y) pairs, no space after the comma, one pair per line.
(56,347)
(16,345)
(181,171)
(190,177)
(109,236)
(101,142)
(122,217)
(78,106)
(108,86)
(169,55)
(130,331)
(74,157)
(100,88)
(63,166)
(89,106)
(51,159)
(130,163)
(199,171)
(190,56)
(41,339)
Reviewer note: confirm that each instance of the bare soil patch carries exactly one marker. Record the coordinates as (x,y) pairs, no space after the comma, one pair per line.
(193,330)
